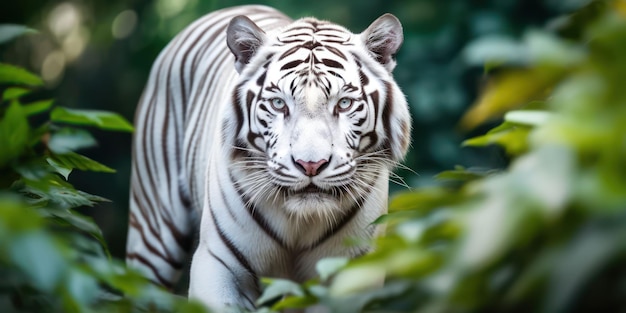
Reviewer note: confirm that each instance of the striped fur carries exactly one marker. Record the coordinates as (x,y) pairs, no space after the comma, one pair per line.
(273,140)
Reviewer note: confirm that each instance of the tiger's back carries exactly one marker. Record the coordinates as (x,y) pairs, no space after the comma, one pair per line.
(269,140)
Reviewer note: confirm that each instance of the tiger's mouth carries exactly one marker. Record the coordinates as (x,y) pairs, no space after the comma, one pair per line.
(312,189)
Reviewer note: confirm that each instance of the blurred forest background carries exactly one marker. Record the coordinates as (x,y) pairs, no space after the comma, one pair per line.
(98,54)
(518,182)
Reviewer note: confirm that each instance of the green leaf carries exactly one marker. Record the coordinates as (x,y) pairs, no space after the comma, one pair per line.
(76,161)
(294,302)
(82,288)
(16,216)
(40,258)
(394,291)
(14,93)
(59,168)
(423,200)
(14,130)
(511,136)
(56,193)
(38,107)
(528,117)
(101,119)
(462,174)
(329,266)
(9,32)
(78,221)
(33,169)
(585,254)
(69,139)
(277,288)
(10,74)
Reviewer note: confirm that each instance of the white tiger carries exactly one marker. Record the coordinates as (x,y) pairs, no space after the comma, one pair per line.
(271,141)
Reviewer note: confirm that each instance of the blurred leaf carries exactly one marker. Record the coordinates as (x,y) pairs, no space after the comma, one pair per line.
(278,288)
(425,199)
(69,139)
(586,253)
(394,292)
(59,194)
(14,93)
(510,90)
(15,75)
(39,257)
(527,117)
(60,168)
(514,205)
(14,132)
(73,160)
(546,48)
(11,31)
(190,306)
(15,217)
(33,169)
(512,137)
(101,119)
(358,278)
(329,266)
(38,107)
(78,221)
(82,287)
(462,174)
(294,302)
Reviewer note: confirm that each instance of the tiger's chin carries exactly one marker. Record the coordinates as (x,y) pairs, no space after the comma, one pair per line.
(313,203)
(311,206)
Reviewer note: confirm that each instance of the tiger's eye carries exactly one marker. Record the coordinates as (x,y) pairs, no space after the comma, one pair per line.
(278,104)
(344,104)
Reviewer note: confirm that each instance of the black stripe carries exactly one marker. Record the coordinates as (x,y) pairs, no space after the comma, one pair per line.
(291,64)
(237,105)
(135,224)
(156,233)
(260,220)
(372,135)
(239,290)
(231,246)
(343,222)
(332,63)
(386,114)
(289,52)
(160,280)
(225,200)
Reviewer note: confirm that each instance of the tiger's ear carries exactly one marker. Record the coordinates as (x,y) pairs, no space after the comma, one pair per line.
(243,38)
(383,38)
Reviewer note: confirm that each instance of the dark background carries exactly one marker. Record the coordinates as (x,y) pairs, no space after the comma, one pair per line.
(97,54)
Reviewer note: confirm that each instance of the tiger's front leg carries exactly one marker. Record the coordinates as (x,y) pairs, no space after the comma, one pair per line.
(220,282)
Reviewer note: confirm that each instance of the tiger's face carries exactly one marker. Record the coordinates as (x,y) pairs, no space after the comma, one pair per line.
(320,118)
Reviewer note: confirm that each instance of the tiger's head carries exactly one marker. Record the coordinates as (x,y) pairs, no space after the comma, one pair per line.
(319,117)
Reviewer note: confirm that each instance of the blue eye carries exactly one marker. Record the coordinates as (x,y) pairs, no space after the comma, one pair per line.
(344,104)
(278,104)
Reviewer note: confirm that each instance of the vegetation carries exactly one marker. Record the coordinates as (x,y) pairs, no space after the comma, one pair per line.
(543,234)
(53,258)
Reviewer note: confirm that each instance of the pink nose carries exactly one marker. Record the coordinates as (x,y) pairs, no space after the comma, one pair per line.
(310,168)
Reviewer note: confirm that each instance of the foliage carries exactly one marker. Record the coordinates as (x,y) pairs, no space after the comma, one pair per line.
(545,234)
(53,258)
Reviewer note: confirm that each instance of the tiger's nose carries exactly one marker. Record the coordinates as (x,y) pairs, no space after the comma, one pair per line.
(310,168)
